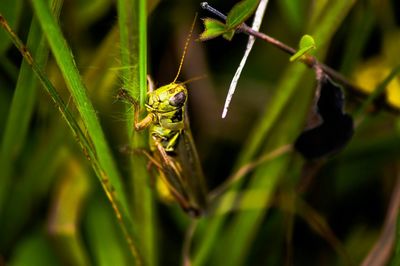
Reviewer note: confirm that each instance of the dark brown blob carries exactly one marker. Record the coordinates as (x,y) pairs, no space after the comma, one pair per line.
(336,128)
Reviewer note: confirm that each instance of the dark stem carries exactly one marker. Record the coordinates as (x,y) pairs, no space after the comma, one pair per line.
(308,60)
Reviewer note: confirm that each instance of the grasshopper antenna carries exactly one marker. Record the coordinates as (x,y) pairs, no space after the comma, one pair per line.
(193,79)
(185,49)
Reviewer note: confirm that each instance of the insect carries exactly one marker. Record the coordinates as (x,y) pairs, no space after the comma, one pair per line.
(172,149)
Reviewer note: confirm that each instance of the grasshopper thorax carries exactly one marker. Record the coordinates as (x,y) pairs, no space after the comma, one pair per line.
(170,97)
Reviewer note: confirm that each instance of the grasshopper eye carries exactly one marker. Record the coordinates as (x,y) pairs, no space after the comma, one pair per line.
(178,99)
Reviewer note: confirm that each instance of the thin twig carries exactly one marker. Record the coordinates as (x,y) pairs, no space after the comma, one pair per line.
(308,60)
(381,251)
(245,169)
(186,261)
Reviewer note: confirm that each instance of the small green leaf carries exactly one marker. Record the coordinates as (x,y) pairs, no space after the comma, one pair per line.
(228,35)
(306,44)
(212,28)
(307,41)
(240,12)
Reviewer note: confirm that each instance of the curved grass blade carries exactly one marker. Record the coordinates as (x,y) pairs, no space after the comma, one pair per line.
(132,20)
(22,104)
(86,143)
(63,223)
(11,9)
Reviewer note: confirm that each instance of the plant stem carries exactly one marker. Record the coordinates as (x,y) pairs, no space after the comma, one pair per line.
(308,60)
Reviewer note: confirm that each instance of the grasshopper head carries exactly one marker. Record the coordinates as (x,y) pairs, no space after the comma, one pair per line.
(168,98)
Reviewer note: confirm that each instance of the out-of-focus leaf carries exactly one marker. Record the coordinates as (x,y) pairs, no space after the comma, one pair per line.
(212,28)
(132,21)
(318,9)
(11,10)
(396,256)
(22,105)
(34,250)
(293,13)
(240,12)
(371,73)
(65,214)
(228,35)
(107,246)
(307,44)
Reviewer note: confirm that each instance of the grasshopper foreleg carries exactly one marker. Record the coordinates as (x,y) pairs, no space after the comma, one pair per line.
(138,124)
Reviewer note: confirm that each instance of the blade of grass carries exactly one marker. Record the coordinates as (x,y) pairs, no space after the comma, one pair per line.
(360,27)
(9,68)
(107,182)
(132,18)
(11,9)
(381,252)
(106,246)
(65,212)
(33,185)
(22,104)
(65,61)
(396,254)
(34,249)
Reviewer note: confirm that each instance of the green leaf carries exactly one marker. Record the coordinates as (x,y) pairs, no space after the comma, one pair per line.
(240,12)
(212,28)
(396,253)
(11,10)
(22,105)
(229,35)
(34,249)
(307,44)
(307,41)
(132,21)
(100,216)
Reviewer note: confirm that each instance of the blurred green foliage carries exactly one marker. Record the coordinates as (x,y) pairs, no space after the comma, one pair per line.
(53,210)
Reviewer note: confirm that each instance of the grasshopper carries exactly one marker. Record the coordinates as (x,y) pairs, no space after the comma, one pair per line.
(172,149)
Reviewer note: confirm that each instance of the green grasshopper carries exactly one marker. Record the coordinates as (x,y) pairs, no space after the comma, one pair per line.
(173,151)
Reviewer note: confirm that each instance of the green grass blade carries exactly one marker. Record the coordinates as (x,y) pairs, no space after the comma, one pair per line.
(34,249)
(396,253)
(33,185)
(65,61)
(100,216)
(9,68)
(132,18)
(11,9)
(63,223)
(105,170)
(22,104)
